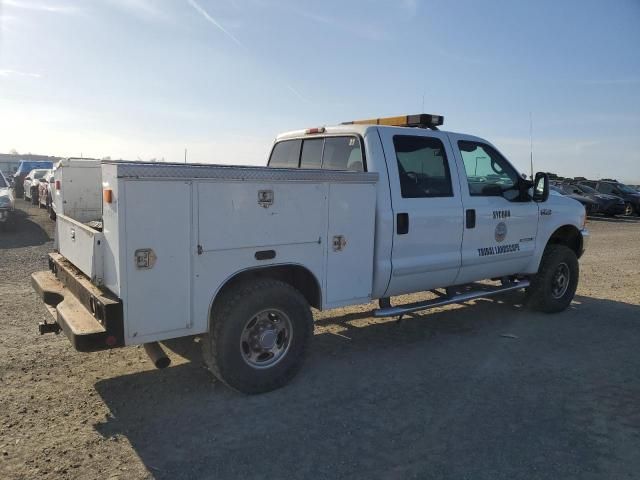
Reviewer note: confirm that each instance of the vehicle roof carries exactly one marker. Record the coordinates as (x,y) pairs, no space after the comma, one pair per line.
(357,129)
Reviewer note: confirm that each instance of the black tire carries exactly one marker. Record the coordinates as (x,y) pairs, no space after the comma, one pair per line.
(545,294)
(34,197)
(52,214)
(232,315)
(628,209)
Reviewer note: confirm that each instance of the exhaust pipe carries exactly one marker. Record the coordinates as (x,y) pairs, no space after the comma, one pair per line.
(157,355)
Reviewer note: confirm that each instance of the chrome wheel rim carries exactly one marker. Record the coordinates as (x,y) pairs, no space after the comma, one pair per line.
(266,338)
(560,280)
(628,209)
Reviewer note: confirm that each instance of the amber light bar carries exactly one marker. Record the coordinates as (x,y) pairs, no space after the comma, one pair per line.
(421,120)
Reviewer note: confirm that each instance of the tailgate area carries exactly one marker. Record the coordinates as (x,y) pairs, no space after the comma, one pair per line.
(90,317)
(81,245)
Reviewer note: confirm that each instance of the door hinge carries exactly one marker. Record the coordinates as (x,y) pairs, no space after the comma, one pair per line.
(200,250)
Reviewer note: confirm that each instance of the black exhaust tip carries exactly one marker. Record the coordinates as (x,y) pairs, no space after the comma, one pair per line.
(157,355)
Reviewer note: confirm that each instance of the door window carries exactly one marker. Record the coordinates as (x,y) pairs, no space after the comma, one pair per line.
(488,172)
(422,167)
(605,188)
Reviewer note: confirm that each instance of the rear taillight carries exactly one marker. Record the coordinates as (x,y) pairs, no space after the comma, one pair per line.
(57,184)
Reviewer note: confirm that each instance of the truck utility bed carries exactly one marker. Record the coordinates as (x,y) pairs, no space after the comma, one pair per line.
(173,234)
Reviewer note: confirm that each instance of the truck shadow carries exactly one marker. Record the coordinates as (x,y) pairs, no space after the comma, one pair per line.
(25,233)
(382,399)
(618,219)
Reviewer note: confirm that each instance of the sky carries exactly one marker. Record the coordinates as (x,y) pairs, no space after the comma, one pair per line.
(145,79)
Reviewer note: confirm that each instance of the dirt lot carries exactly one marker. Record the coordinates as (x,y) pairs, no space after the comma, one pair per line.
(485,392)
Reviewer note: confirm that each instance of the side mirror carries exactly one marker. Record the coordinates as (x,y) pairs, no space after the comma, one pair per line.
(541,187)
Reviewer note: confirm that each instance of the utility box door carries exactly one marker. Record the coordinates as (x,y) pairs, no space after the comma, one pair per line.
(350,243)
(159,227)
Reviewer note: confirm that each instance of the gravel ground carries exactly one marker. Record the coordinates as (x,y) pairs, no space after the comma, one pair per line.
(489,391)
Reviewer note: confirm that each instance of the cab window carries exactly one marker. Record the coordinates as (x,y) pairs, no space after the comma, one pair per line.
(488,172)
(342,153)
(286,154)
(422,167)
(328,153)
(311,153)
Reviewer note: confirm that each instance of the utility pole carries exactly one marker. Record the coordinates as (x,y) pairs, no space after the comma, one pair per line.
(185,155)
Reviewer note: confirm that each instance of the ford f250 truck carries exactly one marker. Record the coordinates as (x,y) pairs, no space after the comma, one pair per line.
(342,215)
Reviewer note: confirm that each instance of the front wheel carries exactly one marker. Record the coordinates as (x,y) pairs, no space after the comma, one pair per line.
(628,209)
(554,286)
(258,337)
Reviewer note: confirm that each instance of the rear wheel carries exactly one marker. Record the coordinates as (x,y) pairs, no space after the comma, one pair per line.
(258,337)
(554,286)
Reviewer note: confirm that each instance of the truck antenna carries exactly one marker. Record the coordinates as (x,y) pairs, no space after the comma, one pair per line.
(531,142)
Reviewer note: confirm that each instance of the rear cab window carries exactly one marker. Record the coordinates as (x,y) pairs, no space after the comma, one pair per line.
(342,152)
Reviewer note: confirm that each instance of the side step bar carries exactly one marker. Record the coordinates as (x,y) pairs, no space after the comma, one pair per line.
(447,300)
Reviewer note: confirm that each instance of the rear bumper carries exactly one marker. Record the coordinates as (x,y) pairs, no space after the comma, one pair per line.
(91,318)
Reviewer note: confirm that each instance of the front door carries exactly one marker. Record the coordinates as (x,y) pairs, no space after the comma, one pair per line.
(500,227)
(427,209)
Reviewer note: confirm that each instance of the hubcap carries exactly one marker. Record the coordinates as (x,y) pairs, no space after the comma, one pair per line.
(266,338)
(560,280)
(628,209)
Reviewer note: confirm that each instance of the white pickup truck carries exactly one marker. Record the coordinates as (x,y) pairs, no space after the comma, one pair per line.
(342,215)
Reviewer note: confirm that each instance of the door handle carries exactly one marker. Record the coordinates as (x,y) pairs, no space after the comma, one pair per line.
(470,218)
(402,223)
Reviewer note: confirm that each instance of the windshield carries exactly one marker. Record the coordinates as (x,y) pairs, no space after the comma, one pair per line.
(625,189)
(39,174)
(587,189)
(3,183)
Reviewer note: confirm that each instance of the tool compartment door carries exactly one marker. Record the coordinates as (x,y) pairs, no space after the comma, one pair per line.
(350,243)
(158,223)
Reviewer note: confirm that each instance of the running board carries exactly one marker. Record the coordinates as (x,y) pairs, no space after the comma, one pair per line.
(439,302)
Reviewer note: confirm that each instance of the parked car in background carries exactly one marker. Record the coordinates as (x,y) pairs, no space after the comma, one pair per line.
(44,190)
(23,170)
(590,206)
(7,207)
(609,205)
(630,196)
(31,182)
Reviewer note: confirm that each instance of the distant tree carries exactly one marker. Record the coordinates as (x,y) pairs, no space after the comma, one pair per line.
(13,151)
(106,158)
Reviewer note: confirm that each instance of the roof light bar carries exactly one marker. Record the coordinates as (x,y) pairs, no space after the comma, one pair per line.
(421,120)
(310,131)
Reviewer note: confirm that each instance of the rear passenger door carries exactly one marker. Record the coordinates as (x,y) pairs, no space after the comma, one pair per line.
(427,209)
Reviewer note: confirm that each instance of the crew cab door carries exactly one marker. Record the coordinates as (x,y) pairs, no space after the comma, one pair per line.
(427,209)
(500,227)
